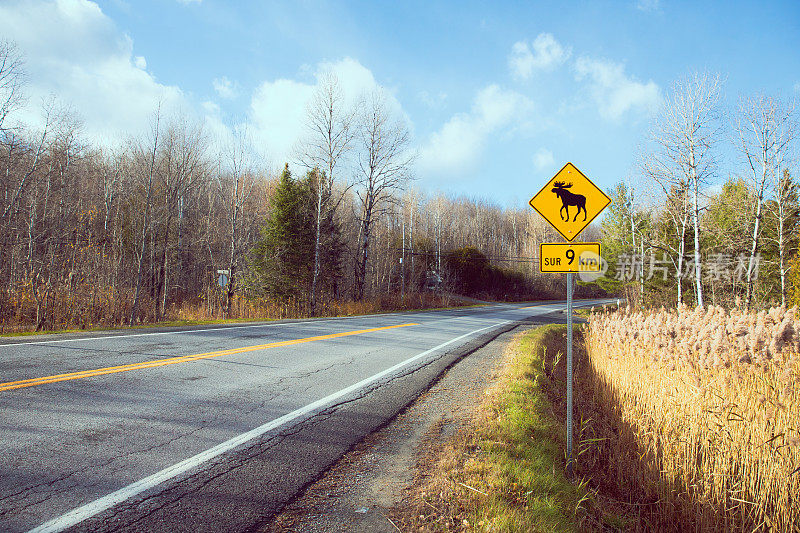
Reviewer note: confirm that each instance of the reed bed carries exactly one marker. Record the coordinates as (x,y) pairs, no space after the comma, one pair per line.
(708,399)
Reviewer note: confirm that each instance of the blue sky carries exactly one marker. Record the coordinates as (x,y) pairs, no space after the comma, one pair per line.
(498,95)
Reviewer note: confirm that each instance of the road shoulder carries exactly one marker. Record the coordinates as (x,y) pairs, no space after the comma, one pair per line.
(359,491)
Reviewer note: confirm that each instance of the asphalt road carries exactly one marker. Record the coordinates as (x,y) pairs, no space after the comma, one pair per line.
(213,428)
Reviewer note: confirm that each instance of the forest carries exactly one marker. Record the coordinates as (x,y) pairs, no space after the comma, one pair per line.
(178,225)
(710,214)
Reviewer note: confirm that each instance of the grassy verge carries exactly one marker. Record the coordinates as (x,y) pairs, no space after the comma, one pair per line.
(162,324)
(212,321)
(504,472)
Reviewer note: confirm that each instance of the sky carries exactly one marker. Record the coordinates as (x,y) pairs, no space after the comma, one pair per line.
(498,96)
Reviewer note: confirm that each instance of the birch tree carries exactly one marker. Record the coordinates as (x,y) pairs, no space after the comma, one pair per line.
(12,76)
(685,134)
(235,191)
(383,167)
(786,213)
(329,127)
(765,127)
(672,188)
(156,127)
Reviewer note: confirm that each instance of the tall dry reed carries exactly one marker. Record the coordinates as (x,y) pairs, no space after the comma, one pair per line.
(709,399)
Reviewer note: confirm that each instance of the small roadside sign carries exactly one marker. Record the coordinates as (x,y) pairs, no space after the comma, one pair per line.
(569,201)
(567,257)
(222,277)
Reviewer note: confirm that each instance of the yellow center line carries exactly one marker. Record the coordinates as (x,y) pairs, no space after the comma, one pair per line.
(183,359)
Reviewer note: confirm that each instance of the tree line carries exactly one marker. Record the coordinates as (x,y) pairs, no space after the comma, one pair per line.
(175,224)
(711,214)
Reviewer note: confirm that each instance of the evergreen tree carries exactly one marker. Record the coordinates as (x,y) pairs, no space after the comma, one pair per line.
(726,241)
(282,260)
(616,241)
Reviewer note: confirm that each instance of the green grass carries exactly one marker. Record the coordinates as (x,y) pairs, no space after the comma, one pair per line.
(505,472)
(525,454)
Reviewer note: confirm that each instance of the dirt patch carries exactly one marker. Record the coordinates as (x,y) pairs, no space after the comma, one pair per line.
(356,494)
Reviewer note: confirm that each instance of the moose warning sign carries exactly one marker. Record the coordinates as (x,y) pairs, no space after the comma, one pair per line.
(570,201)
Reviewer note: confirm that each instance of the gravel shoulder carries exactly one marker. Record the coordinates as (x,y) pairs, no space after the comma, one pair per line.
(356,494)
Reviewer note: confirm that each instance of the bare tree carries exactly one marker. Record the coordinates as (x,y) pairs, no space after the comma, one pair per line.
(240,179)
(786,213)
(11,80)
(183,148)
(51,117)
(766,129)
(329,126)
(673,189)
(438,206)
(684,135)
(110,172)
(156,127)
(384,165)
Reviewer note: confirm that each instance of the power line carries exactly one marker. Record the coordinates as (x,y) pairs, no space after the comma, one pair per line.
(508,259)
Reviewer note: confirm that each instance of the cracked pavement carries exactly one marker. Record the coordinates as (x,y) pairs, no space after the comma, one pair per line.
(65,444)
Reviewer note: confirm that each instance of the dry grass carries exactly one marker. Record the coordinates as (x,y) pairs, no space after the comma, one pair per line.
(87,307)
(701,424)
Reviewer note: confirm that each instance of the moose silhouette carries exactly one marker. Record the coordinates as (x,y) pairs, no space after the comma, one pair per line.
(569,198)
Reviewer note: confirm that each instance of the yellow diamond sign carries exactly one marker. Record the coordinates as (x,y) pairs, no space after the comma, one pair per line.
(570,201)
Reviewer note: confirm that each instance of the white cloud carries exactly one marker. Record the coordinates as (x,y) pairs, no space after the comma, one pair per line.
(543,159)
(278,108)
(214,125)
(797,86)
(225,88)
(547,53)
(461,141)
(496,107)
(73,50)
(648,5)
(613,91)
(432,101)
(211,108)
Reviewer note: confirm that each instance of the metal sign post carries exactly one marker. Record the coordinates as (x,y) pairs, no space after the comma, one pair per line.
(569,374)
(569,202)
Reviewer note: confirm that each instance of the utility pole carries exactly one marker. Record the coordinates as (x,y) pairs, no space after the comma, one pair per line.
(402,266)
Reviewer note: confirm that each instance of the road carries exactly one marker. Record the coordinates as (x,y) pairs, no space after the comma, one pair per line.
(211,428)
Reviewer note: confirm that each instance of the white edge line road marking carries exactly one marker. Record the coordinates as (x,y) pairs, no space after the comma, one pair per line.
(101,504)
